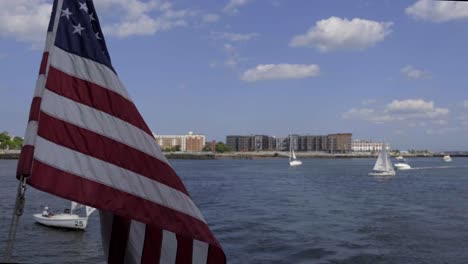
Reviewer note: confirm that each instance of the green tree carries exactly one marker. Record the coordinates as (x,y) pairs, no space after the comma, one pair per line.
(206,148)
(16,143)
(221,147)
(5,140)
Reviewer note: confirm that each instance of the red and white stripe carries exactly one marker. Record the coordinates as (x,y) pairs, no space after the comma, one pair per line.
(87,142)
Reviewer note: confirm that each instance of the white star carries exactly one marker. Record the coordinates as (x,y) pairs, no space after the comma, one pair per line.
(83,6)
(97,36)
(78,29)
(66,13)
(91,16)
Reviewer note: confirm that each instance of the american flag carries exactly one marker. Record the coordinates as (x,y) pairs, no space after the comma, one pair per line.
(87,142)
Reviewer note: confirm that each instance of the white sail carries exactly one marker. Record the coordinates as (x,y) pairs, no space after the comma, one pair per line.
(383,162)
(89,210)
(75,206)
(293,155)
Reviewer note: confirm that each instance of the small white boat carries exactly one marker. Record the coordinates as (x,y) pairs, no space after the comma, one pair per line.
(447,158)
(65,220)
(383,166)
(402,166)
(399,158)
(293,161)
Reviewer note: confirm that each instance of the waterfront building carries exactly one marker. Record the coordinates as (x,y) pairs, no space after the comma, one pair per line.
(339,143)
(281,143)
(240,143)
(313,143)
(333,143)
(260,143)
(187,143)
(366,146)
(271,143)
(251,143)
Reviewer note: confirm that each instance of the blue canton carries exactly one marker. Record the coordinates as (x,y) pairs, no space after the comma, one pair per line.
(79,32)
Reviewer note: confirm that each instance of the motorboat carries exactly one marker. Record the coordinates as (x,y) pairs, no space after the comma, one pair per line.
(402,166)
(447,158)
(67,219)
(383,166)
(400,158)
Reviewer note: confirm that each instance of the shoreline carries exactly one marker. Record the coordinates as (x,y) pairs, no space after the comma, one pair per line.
(267,155)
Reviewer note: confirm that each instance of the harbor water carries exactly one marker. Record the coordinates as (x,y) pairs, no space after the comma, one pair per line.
(263,211)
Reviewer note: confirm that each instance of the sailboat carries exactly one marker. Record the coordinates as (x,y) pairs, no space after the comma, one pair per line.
(383,166)
(293,161)
(67,219)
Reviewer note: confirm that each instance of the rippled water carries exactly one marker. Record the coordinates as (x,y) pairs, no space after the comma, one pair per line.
(263,211)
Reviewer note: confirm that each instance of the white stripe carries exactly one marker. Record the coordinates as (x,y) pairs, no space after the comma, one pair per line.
(106,219)
(88,70)
(135,242)
(40,84)
(200,252)
(31,133)
(49,40)
(101,123)
(168,247)
(113,176)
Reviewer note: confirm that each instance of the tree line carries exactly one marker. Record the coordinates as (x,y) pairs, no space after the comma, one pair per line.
(10,142)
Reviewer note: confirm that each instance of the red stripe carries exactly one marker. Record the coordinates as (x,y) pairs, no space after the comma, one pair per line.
(35,108)
(118,240)
(215,255)
(108,150)
(95,96)
(45,58)
(152,246)
(25,161)
(84,191)
(184,250)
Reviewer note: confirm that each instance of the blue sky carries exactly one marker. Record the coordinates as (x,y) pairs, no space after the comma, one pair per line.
(383,70)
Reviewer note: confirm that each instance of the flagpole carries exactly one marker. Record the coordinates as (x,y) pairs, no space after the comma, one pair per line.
(17,212)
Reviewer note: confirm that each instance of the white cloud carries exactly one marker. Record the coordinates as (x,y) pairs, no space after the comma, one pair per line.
(413,73)
(410,105)
(233,5)
(336,33)
(411,111)
(25,20)
(136,17)
(280,72)
(210,18)
(438,11)
(234,37)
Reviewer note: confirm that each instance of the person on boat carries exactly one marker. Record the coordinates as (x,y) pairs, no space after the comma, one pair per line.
(46,212)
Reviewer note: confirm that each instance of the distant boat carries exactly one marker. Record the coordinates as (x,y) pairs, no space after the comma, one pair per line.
(67,219)
(400,158)
(383,166)
(447,158)
(293,161)
(402,166)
